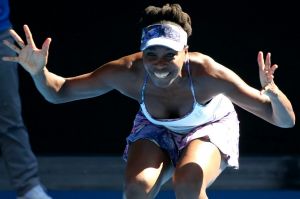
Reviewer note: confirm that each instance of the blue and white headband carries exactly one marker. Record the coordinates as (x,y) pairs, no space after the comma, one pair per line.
(168,35)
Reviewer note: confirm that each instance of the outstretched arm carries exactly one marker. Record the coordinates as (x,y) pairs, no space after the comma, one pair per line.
(54,88)
(270,103)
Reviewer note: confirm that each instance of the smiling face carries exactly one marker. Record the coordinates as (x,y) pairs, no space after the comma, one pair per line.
(164,65)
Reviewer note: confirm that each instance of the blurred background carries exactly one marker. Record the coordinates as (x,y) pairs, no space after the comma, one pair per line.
(86,34)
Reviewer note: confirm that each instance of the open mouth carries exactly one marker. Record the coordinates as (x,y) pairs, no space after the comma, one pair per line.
(161,75)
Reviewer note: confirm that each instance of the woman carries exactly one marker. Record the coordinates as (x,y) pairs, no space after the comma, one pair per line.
(187,128)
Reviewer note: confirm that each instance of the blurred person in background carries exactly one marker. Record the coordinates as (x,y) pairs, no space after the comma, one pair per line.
(18,157)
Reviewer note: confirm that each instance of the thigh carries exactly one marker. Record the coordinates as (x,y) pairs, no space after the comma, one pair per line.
(147,162)
(208,158)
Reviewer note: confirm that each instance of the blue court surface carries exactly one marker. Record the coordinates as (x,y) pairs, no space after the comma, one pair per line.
(234,194)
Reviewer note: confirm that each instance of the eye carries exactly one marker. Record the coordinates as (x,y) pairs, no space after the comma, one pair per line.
(170,56)
(150,54)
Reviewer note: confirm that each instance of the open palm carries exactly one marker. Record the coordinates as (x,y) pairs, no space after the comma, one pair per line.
(28,56)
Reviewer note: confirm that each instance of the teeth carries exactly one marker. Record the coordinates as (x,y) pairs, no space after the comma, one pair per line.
(161,75)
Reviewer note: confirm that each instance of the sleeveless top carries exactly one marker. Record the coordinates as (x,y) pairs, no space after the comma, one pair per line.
(217,108)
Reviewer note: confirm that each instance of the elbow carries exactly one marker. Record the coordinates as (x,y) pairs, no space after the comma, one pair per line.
(285,120)
(288,123)
(291,125)
(53,100)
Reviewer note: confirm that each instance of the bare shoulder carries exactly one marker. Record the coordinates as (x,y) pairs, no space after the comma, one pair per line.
(210,76)
(199,57)
(124,74)
(121,69)
(127,63)
(203,64)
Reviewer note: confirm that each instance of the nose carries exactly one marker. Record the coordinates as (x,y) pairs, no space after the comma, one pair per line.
(160,63)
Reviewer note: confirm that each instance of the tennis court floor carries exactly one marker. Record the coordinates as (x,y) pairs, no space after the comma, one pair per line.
(235,194)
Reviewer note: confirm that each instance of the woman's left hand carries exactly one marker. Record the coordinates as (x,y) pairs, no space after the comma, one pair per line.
(266,72)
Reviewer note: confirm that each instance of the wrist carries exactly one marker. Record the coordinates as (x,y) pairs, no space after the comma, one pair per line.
(38,72)
(271,90)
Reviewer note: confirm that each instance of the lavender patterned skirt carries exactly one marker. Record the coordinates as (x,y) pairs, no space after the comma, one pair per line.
(224,134)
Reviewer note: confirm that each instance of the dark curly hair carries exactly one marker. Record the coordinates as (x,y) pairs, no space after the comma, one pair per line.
(167,13)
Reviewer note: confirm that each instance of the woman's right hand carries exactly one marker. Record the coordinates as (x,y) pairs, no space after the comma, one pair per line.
(31,58)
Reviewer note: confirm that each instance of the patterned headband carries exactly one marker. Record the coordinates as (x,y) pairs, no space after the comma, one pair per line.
(168,35)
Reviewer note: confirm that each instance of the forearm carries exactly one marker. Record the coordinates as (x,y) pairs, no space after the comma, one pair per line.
(49,85)
(282,110)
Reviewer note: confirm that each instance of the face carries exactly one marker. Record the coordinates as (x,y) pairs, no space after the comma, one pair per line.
(163,64)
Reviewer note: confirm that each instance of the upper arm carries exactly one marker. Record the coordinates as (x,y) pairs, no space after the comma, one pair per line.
(240,93)
(95,83)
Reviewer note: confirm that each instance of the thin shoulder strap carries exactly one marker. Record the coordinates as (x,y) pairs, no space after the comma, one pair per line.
(187,63)
(144,86)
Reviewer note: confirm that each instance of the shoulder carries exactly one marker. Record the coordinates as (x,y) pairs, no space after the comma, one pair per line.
(204,64)
(210,73)
(127,62)
(200,58)
(128,75)
(121,71)
(122,67)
